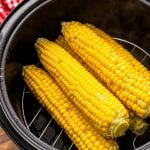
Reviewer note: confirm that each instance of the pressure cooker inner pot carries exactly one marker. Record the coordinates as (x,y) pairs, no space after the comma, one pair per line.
(129,20)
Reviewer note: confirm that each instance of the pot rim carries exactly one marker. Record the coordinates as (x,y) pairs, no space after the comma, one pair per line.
(7,32)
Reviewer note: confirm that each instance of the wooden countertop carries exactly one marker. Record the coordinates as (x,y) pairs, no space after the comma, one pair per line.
(5,142)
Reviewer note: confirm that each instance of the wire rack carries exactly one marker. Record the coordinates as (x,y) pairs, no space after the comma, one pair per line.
(42,125)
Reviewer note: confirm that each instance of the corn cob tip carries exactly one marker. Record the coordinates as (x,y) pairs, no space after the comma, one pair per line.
(39,40)
(68,22)
(24,68)
(138,126)
(27,67)
(63,23)
(119,127)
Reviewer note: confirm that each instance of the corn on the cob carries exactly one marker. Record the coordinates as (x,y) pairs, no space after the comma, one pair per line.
(93,99)
(121,77)
(83,135)
(121,51)
(136,124)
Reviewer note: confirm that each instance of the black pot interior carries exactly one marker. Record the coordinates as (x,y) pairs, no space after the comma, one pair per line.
(128,20)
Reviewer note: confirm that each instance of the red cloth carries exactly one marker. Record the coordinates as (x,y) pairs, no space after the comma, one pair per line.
(6,6)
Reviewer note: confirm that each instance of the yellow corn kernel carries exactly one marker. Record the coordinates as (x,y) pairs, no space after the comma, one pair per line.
(80,131)
(61,42)
(91,97)
(119,75)
(121,51)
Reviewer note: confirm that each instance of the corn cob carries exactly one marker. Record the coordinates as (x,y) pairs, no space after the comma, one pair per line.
(93,99)
(121,51)
(136,124)
(83,135)
(122,78)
